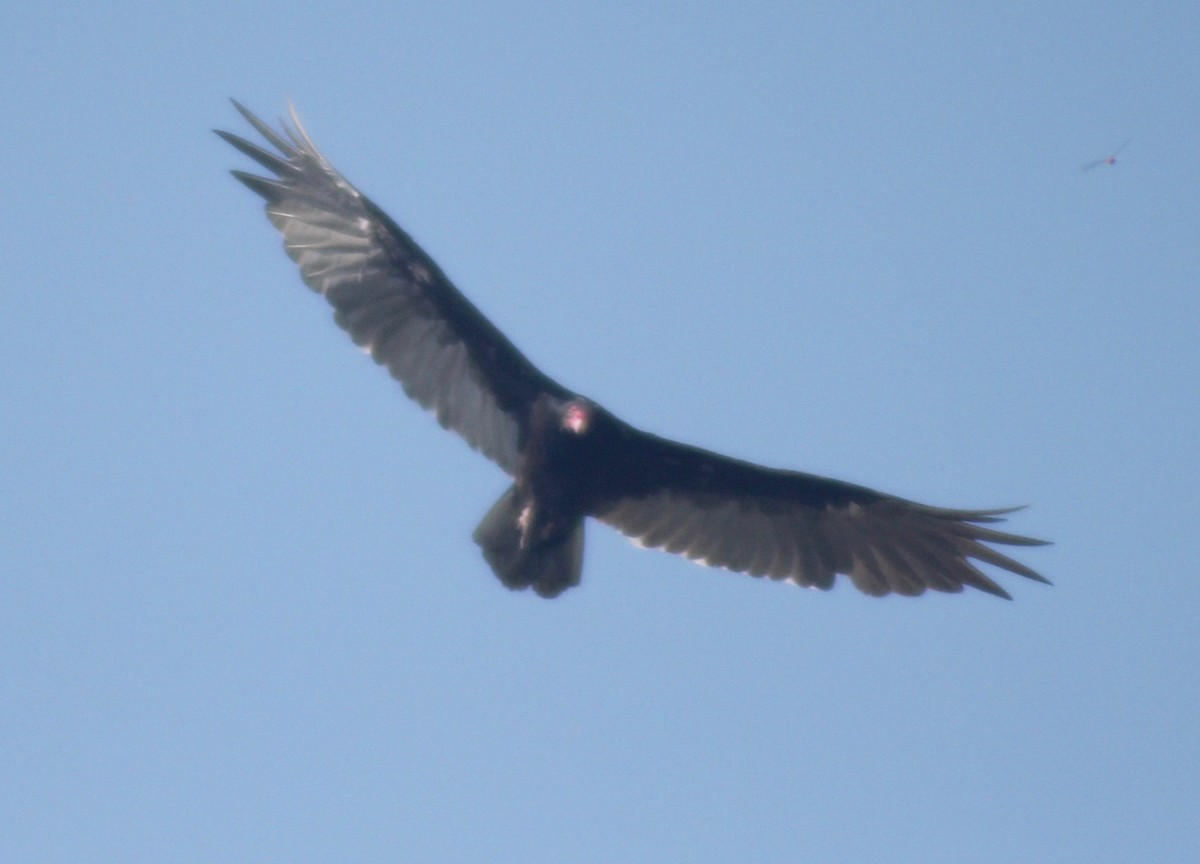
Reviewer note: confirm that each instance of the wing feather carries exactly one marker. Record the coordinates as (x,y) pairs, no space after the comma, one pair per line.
(391,297)
(806,529)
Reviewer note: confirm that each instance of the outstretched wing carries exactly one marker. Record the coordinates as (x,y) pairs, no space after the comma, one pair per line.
(726,513)
(391,297)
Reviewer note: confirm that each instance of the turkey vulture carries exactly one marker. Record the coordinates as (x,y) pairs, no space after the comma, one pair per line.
(568,457)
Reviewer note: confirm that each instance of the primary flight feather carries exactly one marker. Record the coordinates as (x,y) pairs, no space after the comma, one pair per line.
(568,457)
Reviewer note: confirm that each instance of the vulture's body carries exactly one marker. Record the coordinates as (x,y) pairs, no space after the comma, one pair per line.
(568,457)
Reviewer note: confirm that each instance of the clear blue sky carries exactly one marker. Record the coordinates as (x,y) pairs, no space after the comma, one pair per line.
(241,618)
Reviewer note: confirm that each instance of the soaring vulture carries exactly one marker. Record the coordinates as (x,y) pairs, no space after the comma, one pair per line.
(568,457)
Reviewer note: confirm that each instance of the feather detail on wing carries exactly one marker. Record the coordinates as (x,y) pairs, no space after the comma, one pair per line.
(785,525)
(392,298)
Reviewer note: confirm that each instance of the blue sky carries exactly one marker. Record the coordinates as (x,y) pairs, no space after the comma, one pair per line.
(241,618)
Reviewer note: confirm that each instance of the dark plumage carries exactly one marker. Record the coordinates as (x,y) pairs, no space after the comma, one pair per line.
(571,459)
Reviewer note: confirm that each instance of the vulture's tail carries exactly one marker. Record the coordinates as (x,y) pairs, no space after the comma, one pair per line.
(549,569)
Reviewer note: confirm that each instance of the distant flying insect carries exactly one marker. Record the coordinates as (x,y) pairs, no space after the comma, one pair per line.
(1110,159)
(568,457)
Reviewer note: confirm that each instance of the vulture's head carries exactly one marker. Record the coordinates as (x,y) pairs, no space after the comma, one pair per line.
(577,416)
